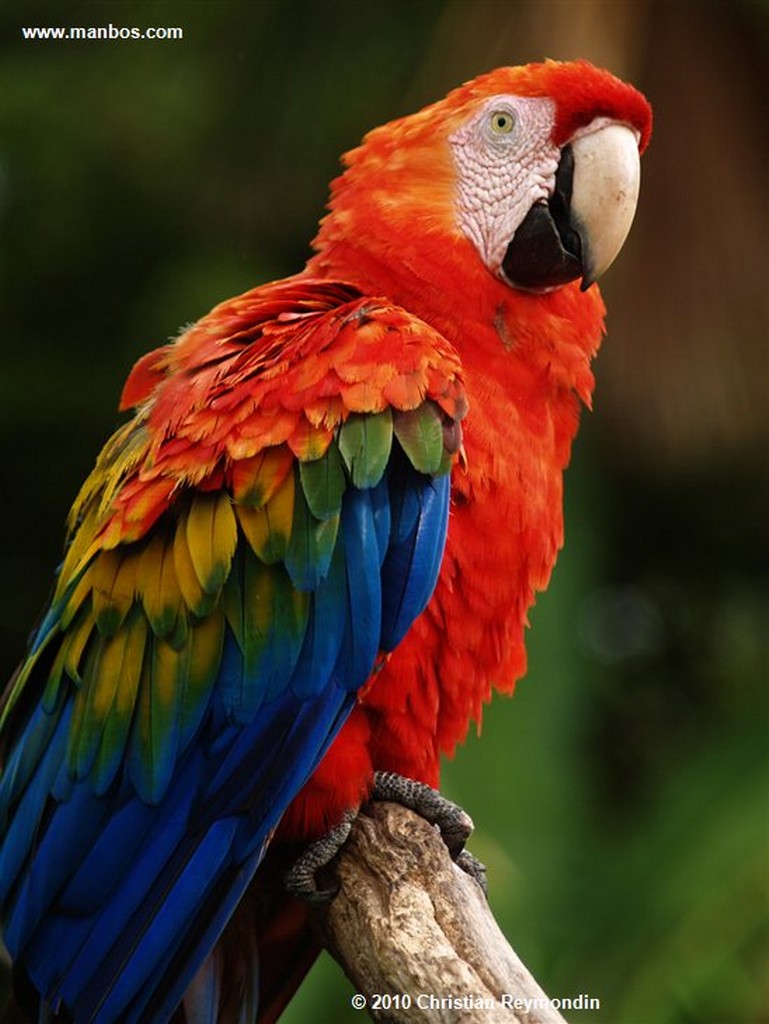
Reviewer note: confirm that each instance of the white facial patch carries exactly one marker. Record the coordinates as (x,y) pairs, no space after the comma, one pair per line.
(505,162)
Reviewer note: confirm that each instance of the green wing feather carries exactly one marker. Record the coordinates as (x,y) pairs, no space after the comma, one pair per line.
(364,443)
(175,542)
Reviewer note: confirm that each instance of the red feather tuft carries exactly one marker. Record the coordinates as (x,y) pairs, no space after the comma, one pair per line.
(148,372)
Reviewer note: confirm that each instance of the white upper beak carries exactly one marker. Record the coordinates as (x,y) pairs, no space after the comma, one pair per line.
(607,177)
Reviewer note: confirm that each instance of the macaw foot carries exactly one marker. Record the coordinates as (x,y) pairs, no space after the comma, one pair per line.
(454,824)
(300,881)
(475,868)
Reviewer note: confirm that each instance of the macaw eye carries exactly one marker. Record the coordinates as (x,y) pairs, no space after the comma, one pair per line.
(502,122)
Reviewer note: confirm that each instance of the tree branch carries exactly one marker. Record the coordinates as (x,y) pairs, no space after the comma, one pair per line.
(415,934)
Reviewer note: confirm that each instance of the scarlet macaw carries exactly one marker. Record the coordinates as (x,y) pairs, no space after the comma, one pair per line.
(309,554)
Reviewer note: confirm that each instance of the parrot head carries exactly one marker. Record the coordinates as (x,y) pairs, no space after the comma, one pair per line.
(532,170)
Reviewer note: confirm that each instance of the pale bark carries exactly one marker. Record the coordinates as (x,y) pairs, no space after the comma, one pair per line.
(408,922)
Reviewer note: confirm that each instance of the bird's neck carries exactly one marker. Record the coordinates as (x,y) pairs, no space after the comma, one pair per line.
(525,356)
(526,368)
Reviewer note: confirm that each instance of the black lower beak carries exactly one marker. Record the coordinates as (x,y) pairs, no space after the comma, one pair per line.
(546,250)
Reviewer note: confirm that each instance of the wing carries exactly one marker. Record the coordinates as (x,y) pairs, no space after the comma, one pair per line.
(268,524)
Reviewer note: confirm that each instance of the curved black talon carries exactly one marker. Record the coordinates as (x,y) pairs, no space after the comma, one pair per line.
(475,869)
(299,880)
(455,824)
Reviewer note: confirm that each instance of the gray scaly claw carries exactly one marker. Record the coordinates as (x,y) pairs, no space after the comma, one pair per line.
(455,824)
(475,869)
(299,880)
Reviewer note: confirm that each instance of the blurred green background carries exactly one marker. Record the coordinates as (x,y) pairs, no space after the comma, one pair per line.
(621,798)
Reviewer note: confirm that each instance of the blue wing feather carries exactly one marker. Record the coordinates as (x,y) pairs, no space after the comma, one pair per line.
(157,938)
(411,567)
(122,901)
(19,838)
(129,891)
